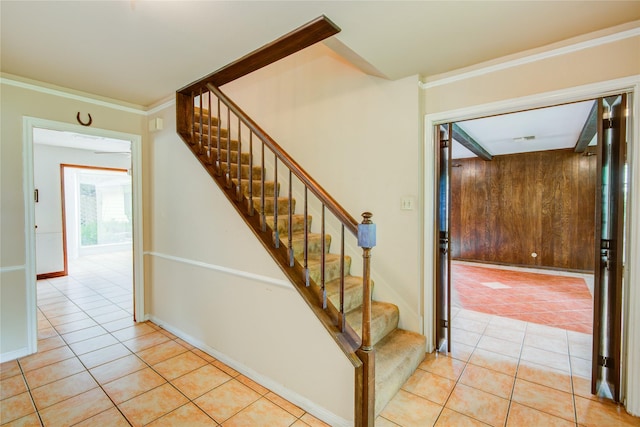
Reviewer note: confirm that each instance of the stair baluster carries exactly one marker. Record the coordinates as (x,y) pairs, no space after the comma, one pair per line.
(275,201)
(323,261)
(290,222)
(209,151)
(342,274)
(306,237)
(228,174)
(250,183)
(263,217)
(218,142)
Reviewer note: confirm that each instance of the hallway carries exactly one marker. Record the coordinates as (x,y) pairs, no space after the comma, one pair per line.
(95,366)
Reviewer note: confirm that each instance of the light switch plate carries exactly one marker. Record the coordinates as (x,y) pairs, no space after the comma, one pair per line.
(406,203)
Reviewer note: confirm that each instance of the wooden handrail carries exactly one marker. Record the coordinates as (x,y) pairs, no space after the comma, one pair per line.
(350,223)
(292,42)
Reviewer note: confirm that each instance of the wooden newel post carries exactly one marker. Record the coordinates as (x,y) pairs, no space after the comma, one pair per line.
(366,401)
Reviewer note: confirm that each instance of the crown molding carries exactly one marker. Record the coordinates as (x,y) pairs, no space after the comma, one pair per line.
(41,87)
(506,64)
(161,105)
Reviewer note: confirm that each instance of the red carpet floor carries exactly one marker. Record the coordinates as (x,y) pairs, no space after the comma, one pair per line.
(546,299)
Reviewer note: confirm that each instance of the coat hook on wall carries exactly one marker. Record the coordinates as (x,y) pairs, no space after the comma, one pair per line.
(83,123)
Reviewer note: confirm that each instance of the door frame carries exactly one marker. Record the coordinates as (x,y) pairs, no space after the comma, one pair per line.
(631,294)
(28,125)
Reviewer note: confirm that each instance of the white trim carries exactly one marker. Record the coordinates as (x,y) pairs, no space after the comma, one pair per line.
(546,99)
(631,291)
(64,93)
(29,123)
(533,58)
(221,269)
(15,354)
(162,106)
(12,268)
(631,375)
(30,236)
(293,397)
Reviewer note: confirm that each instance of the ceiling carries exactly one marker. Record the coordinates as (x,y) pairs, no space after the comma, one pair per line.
(97,144)
(543,129)
(140,51)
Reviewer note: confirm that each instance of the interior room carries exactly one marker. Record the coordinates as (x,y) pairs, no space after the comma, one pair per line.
(532,206)
(251,306)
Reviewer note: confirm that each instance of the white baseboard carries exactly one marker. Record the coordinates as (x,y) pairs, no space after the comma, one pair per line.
(15,354)
(293,397)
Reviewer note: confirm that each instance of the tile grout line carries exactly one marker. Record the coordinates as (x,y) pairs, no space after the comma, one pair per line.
(167,381)
(99,385)
(515,375)
(573,391)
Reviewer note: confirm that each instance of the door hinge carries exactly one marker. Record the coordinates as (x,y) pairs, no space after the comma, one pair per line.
(605,253)
(606,362)
(445,323)
(444,143)
(610,123)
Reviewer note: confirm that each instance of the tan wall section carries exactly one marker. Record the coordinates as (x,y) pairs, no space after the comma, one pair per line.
(358,137)
(17,103)
(596,64)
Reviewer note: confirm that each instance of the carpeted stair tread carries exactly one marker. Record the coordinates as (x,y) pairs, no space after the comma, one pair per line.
(314,243)
(256,189)
(297,223)
(224,141)
(205,116)
(244,172)
(270,205)
(224,156)
(397,357)
(332,267)
(224,132)
(384,319)
(352,292)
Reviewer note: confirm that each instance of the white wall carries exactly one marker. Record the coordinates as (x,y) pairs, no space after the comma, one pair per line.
(48,211)
(211,281)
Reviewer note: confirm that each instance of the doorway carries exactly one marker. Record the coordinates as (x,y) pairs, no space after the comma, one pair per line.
(535,202)
(436,235)
(77,145)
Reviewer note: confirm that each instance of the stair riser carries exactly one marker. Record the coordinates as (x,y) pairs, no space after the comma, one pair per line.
(352,293)
(394,367)
(384,320)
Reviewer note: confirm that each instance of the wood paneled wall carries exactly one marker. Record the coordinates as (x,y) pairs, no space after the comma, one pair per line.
(505,209)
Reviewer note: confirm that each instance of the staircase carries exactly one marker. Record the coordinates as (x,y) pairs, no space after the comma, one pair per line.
(397,352)
(309,235)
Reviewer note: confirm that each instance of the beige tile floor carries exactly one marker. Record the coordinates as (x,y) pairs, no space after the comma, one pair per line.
(95,367)
(504,372)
